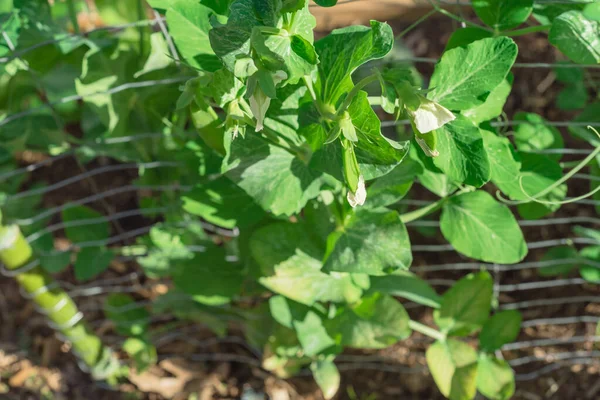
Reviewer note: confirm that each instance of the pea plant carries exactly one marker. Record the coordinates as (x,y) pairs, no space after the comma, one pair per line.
(288,161)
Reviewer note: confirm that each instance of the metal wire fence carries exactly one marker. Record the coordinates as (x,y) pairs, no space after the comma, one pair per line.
(542,301)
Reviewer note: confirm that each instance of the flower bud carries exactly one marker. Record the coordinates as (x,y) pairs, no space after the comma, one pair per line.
(260,102)
(359,197)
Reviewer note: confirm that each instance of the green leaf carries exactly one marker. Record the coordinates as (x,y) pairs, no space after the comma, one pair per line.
(189,25)
(495,378)
(590,273)
(376,154)
(590,114)
(567,253)
(464,36)
(566,73)
(209,278)
(224,87)
(466,305)
(589,233)
(465,76)
(277,180)
(292,268)
(91,262)
(54,263)
(407,285)
(232,41)
(286,311)
(545,13)
(319,217)
(533,133)
(85,225)
(168,245)
(453,365)
(307,323)
(479,227)
(503,14)
(391,188)
(32,132)
(503,160)
(431,177)
(462,153)
(50,260)
(493,105)
(327,377)
(373,242)
(142,352)
(503,327)
(10,24)
(573,97)
(376,322)
(184,307)
(312,334)
(343,51)
(326,3)
(538,173)
(159,55)
(219,6)
(295,52)
(130,319)
(292,5)
(576,37)
(222,203)
(592,11)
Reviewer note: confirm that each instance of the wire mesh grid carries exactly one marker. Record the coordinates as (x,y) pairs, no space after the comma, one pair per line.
(550,340)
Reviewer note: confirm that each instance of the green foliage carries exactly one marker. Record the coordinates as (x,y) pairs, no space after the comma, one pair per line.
(465,307)
(566,253)
(141,351)
(465,76)
(495,378)
(372,242)
(503,14)
(453,365)
(327,376)
(296,195)
(481,228)
(577,37)
(501,328)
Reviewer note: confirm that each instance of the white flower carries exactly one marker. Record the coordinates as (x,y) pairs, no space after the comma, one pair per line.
(430,116)
(358,198)
(260,102)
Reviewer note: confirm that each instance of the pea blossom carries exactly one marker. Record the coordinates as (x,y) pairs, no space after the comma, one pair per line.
(429,115)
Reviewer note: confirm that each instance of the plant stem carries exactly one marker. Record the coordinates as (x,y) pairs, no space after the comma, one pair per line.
(313,95)
(416,23)
(361,84)
(375,100)
(421,212)
(426,330)
(73,15)
(569,174)
(448,14)
(56,304)
(525,31)
(142,29)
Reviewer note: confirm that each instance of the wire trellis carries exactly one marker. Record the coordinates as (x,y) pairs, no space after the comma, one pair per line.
(533,296)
